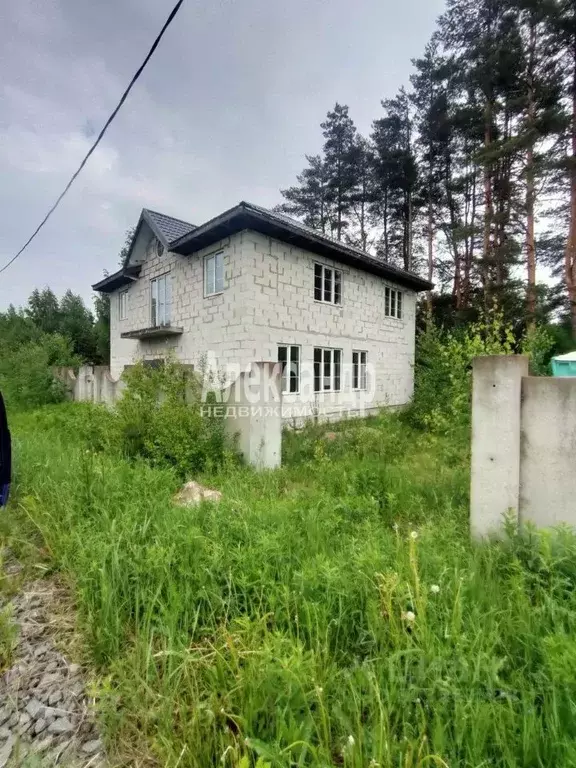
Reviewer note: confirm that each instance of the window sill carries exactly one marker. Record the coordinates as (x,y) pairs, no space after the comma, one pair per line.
(211,295)
(328,303)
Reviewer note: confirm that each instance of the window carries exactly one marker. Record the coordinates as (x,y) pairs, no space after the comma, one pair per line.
(159,248)
(393,303)
(123,305)
(214,274)
(327,369)
(359,361)
(160,301)
(327,284)
(289,358)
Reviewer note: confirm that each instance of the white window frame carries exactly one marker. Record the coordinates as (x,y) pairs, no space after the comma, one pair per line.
(393,303)
(359,370)
(160,300)
(329,278)
(213,263)
(334,378)
(287,368)
(123,305)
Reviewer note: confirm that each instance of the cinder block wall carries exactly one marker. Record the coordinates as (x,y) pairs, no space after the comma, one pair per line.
(277,290)
(268,300)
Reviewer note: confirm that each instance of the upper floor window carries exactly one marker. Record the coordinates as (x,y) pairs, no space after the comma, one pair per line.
(393,300)
(327,369)
(289,358)
(160,301)
(359,364)
(213,274)
(159,248)
(327,284)
(123,305)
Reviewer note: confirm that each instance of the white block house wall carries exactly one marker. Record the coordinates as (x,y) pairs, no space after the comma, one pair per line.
(267,301)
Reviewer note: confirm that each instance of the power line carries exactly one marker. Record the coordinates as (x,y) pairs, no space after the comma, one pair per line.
(100,135)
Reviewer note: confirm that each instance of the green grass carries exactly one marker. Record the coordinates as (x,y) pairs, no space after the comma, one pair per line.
(276,625)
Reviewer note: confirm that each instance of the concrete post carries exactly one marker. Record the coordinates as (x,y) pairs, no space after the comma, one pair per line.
(548,467)
(496,406)
(254,414)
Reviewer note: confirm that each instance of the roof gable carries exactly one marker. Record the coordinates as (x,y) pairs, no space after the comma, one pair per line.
(167,228)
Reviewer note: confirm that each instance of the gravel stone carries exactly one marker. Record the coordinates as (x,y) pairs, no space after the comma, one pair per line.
(43,704)
(34,708)
(91,747)
(6,751)
(54,698)
(62,725)
(40,725)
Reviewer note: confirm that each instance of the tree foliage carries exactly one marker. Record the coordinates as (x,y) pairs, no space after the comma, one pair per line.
(469,177)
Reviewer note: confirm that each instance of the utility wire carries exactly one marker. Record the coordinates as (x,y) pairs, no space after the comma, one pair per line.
(100,135)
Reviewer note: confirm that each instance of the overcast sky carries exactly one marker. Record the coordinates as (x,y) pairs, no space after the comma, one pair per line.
(225,111)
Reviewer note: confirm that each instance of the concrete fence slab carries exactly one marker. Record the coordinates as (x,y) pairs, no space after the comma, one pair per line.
(523,447)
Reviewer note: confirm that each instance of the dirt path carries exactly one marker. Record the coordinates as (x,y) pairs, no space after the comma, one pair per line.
(45,717)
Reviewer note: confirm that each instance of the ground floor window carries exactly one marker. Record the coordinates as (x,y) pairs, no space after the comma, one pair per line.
(327,369)
(359,363)
(289,358)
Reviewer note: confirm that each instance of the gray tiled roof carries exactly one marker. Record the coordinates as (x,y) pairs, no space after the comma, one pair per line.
(172,229)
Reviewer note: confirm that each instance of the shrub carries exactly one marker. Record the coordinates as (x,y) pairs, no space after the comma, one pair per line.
(26,376)
(443,376)
(160,418)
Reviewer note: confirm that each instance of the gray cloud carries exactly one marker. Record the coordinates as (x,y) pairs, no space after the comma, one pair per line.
(225,111)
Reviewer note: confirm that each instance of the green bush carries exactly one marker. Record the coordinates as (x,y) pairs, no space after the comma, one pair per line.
(26,371)
(160,418)
(443,375)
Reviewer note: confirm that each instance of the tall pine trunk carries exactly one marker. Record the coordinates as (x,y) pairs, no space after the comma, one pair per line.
(488,202)
(570,257)
(530,184)
(430,253)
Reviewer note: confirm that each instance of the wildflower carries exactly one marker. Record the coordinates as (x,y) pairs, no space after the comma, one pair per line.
(414,535)
(434,589)
(395,526)
(373,764)
(409,616)
(351,741)
(319,690)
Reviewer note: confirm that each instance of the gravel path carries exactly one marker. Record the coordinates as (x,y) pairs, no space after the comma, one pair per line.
(45,719)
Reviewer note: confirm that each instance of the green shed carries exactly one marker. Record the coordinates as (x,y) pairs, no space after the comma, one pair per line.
(564,365)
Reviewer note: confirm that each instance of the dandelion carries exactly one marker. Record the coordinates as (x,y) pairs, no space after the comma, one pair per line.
(414,535)
(434,589)
(351,741)
(409,616)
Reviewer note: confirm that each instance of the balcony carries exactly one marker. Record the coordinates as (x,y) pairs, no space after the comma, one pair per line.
(154,332)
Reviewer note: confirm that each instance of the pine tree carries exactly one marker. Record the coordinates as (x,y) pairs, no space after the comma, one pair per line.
(361,193)
(564,22)
(340,154)
(395,180)
(309,200)
(432,122)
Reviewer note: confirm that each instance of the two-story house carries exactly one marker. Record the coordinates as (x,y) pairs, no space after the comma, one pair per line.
(254,285)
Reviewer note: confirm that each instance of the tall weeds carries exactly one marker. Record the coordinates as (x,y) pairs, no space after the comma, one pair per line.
(332,613)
